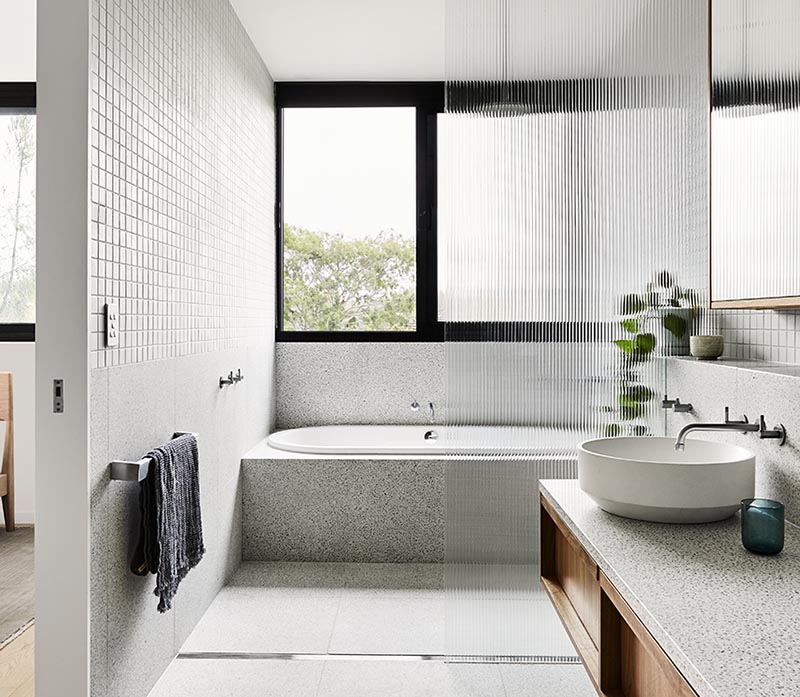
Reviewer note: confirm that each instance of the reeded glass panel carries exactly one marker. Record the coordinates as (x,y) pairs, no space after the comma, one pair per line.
(349,210)
(17,221)
(572,243)
(755,149)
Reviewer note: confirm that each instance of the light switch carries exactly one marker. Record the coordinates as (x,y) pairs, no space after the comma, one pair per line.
(112,324)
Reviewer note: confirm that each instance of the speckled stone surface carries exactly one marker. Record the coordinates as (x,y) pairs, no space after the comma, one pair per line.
(725,617)
(355,510)
(360,383)
(751,388)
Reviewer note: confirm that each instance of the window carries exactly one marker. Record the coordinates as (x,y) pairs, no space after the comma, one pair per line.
(356,211)
(17,211)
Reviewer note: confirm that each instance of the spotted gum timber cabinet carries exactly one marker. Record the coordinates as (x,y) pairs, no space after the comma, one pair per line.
(619,654)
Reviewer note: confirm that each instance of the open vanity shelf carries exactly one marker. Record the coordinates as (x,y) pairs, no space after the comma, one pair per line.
(619,654)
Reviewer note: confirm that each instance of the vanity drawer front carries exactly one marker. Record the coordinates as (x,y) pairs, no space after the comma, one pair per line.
(632,664)
(570,578)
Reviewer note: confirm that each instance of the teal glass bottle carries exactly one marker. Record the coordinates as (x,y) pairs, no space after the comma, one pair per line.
(762,526)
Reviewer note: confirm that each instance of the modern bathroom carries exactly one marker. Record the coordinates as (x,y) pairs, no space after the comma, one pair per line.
(434,348)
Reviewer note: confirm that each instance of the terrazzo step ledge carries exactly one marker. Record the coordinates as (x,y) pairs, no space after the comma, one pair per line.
(725,617)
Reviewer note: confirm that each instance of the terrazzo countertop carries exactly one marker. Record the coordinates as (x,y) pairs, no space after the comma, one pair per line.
(727,619)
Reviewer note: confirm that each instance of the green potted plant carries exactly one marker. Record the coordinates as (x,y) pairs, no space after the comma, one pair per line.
(656,322)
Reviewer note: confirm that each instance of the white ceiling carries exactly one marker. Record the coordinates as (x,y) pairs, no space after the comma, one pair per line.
(347,39)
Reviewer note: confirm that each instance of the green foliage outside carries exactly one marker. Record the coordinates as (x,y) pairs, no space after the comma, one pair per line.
(17,210)
(337,284)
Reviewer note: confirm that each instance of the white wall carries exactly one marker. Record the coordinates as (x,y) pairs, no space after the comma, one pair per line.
(20,360)
(62,349)
(17,40)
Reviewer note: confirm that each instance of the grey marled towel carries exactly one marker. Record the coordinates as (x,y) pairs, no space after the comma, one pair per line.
(171,534)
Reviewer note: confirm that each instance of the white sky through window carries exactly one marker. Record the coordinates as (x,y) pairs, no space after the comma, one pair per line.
(350,170)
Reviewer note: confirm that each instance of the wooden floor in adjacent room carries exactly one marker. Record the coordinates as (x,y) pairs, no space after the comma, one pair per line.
(16,666)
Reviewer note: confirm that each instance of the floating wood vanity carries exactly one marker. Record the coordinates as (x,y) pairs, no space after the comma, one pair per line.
(620,655)
(670,610)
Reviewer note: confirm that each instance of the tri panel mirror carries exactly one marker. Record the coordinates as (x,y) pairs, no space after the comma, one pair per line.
(755,153)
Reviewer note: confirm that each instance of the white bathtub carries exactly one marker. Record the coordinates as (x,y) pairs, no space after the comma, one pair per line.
(411,440)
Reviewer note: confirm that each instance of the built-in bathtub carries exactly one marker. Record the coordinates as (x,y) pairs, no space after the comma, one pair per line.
(389,494)
(428,440)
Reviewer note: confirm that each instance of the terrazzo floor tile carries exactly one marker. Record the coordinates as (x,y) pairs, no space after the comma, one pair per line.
(546,681)
(486,626)
(373,609)
(409,679)
(237,678)
(266,620)
(390,622)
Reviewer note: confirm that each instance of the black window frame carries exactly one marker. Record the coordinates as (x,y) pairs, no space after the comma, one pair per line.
(17,98)
(428,98)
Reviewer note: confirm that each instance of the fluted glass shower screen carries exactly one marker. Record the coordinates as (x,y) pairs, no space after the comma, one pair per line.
(572,262)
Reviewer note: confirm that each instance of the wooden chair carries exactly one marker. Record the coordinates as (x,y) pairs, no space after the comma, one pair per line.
(7,464)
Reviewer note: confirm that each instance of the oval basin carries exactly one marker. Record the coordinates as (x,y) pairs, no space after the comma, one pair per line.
(647,479)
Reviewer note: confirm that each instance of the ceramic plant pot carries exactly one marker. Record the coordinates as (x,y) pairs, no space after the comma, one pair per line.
(706,348)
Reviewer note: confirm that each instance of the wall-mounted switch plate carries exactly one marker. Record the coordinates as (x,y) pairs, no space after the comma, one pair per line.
(58,396)
(112,324)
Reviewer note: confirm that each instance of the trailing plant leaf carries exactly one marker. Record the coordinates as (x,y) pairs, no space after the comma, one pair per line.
(675,325)
(665,280)
(631,304)
(632,411)
(690,297)
(639,393)
(626,346)
(645,343)
(630,325)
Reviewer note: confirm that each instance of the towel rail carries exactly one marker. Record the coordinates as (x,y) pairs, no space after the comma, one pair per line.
(128,471)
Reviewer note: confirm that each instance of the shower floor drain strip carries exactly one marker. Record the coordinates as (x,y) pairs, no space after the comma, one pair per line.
(205,655)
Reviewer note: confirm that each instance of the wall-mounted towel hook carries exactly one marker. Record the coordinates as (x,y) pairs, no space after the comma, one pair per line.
(128,471)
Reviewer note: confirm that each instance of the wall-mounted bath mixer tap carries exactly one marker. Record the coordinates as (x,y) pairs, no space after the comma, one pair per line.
(676,405)
(227,381)
(238,377)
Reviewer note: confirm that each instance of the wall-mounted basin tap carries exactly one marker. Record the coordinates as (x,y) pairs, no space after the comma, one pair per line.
(743,426)
(680,441)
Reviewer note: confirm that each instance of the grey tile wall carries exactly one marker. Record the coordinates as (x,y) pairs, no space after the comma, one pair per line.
(182,199)
(752,389)
(761,334)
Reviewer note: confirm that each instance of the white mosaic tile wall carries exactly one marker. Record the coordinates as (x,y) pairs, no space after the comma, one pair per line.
(761,335)
(182,200)
(182,180)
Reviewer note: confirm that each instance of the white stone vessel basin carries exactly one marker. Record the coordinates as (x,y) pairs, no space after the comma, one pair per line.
(647,479)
